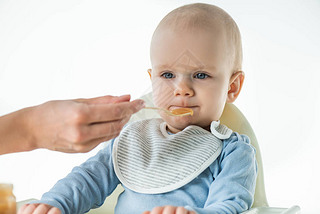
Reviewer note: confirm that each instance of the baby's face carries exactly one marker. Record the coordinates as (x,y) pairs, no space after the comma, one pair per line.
(190,70)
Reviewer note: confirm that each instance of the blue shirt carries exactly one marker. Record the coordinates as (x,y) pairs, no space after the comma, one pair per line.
(226,186)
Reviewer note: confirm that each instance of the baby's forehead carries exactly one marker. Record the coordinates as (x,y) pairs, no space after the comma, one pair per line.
(196,16)
(184,62)
(185,27)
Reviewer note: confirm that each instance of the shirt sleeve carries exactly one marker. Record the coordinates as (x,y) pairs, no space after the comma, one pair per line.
(232,190)
(86,186)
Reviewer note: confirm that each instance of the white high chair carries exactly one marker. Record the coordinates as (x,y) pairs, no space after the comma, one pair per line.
(235,120)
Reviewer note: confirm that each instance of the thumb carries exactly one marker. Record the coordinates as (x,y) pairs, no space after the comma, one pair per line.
(106,99)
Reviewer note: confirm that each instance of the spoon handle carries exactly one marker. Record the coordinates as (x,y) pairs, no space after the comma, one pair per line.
(155,108)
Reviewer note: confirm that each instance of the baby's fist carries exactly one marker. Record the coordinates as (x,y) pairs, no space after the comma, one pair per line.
(39,209)
(169,210)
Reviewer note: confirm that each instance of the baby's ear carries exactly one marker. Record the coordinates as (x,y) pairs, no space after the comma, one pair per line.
(235,85)
(149,72)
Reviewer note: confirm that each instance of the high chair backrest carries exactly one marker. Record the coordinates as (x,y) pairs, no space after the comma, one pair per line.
(235,120)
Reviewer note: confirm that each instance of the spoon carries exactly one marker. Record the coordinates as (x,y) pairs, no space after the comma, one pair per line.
(174,112)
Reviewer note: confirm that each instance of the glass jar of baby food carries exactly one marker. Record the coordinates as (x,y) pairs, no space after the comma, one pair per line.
(7,199)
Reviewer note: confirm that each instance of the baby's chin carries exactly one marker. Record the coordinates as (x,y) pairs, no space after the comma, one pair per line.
(175,125)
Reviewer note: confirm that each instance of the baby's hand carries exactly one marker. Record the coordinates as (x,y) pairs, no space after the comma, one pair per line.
(39,209)
(169,210)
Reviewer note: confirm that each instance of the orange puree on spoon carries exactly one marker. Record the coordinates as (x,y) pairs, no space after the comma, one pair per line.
(175,112)
(182,111)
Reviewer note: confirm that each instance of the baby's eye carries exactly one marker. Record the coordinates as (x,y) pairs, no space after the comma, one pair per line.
(167,75)
(201,76)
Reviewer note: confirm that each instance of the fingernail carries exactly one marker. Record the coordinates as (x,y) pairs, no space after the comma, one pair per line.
(126,95)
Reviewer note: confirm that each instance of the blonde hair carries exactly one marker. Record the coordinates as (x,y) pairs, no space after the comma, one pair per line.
(203,16)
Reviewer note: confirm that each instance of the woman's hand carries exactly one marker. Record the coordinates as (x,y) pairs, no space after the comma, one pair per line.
(38,209)
(66,125)
(169,210)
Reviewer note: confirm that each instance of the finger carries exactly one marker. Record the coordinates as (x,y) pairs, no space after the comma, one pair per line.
(146,212)
(169,210)
(107,129)
(42,208)
(69,147)
(105,99)
(157,210)
(29,208)
(22,208)
(88,146)
(111,112)
(76,148)
(181,210)
(54,210)
(97,132)
(123,98)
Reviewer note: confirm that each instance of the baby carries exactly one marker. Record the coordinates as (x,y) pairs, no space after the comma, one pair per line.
(188,164)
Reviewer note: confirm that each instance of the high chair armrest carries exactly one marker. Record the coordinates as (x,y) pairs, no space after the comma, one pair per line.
(273,210)
(256,210)
(106,208)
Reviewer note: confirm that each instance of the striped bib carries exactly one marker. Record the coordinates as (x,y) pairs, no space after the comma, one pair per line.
(149,160)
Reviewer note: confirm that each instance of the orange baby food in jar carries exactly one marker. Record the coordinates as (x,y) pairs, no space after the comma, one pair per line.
(7,199)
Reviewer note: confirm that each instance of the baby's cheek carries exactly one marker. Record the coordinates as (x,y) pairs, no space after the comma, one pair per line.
(162,98)
(162,92)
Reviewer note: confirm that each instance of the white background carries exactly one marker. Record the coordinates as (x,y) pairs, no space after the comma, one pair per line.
(69,49)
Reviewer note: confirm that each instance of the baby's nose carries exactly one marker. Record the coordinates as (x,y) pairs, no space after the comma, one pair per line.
(183,88)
